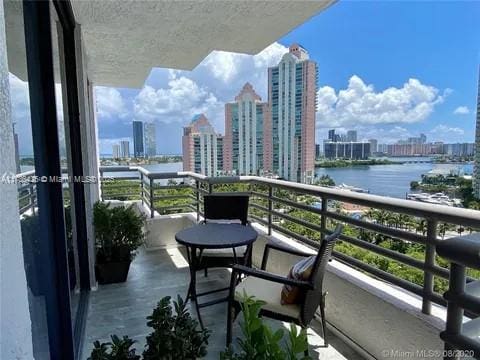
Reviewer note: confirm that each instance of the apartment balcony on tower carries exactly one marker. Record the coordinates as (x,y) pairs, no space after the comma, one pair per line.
(240,251)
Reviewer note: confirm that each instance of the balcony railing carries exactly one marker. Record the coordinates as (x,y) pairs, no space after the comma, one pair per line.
(287,207)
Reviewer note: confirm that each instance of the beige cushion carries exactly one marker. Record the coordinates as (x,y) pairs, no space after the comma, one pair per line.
(239,251)
(300,271)
(269,292)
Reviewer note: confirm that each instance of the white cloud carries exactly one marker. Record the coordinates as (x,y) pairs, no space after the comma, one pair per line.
(177,103)
(110,103)
(461,110)
(447,133)
(360,104)
(175,96)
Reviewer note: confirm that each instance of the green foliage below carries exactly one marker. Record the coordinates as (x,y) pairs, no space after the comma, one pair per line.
(117,349)
(174,336)
(259,342)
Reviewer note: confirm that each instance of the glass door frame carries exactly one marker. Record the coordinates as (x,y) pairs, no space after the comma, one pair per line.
(64,337)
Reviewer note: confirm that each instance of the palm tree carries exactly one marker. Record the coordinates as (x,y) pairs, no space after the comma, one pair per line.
(421,227)
(442,229)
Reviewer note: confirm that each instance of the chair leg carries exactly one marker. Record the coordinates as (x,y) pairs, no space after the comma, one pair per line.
(306,350)
(206,272)
(229,323)
(324,322)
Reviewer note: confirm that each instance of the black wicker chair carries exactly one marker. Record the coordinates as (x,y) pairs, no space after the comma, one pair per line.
(225,207)
(267,286)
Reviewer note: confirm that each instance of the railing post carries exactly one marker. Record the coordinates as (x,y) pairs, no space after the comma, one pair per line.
(210,188)
(429,263)
(197,196)
(270,208)
(32,197)
(323,220)
(456,287)
(141,187)
(101,185)
(152,206)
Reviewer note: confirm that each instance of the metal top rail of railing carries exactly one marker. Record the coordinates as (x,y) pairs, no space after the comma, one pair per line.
(430,213)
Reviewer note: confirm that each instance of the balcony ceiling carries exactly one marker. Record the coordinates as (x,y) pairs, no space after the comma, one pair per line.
(125,39)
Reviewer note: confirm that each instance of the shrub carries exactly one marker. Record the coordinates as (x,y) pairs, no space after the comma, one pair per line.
(260,342)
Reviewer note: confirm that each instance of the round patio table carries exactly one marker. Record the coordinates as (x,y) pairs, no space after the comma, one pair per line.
(212,236)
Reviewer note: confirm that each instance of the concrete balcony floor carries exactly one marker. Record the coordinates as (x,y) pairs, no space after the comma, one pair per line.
(122,308)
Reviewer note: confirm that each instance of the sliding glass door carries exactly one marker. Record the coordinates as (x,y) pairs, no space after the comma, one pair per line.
(44,96)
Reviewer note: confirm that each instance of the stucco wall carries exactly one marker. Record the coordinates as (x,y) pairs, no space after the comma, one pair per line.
(15,329)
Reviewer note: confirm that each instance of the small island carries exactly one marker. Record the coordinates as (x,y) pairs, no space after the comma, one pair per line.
(325,163)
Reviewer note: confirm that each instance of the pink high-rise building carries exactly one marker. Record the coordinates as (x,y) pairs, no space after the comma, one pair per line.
(247,146)
(202,147)
(292,88)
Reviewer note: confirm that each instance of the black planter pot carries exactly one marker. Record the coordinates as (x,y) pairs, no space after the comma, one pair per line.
(113,272)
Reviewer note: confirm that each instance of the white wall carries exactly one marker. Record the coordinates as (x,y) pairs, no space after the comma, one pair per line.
(15,329)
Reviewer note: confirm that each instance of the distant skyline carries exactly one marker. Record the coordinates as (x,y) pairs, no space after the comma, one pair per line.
(389,70)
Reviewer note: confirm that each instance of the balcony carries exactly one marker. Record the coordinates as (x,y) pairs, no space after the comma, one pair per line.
(371,308)
(122,308)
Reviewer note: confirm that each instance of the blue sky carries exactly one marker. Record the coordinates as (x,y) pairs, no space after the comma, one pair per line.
(388,69)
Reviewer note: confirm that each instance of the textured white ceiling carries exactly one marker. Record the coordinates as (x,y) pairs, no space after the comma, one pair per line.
(125,39)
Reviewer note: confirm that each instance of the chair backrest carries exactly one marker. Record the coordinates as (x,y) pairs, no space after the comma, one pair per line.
(313,297)
(226,206)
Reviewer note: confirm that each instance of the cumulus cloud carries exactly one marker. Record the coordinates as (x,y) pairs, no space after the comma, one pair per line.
(110,103)
(461,110)
(360,104)
(178,102)
(447,133)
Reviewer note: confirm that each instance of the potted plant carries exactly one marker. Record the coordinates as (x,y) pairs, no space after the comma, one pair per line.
(175,336)
(118,232)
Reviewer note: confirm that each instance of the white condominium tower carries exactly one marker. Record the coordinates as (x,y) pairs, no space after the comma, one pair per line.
(202,147)
(292,88)
(150,139)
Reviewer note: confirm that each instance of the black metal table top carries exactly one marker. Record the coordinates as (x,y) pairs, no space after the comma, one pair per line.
(216,236)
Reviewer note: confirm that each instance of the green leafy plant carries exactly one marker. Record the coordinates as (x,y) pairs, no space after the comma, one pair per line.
(118,232)
(117,349)
(260,342)
(174,336)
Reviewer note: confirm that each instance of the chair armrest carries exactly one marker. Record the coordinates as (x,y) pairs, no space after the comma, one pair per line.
(240,269)
(283,248)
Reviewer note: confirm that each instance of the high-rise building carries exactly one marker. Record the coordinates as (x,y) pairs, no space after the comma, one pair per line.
(476,171)
(292,87)
(247,148)
(116,151)
(331,135)
(138,150)
(318,151)
(202,147)
(124,149)
(150,139)
(347,150)
(373,145)
(351,136)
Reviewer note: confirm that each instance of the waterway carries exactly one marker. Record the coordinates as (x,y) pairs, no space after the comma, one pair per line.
(388,180)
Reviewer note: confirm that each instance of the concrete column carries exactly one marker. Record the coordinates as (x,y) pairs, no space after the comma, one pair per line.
(15,330)
(88,135)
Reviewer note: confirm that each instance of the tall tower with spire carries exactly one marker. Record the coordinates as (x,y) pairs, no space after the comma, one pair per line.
(292,88)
